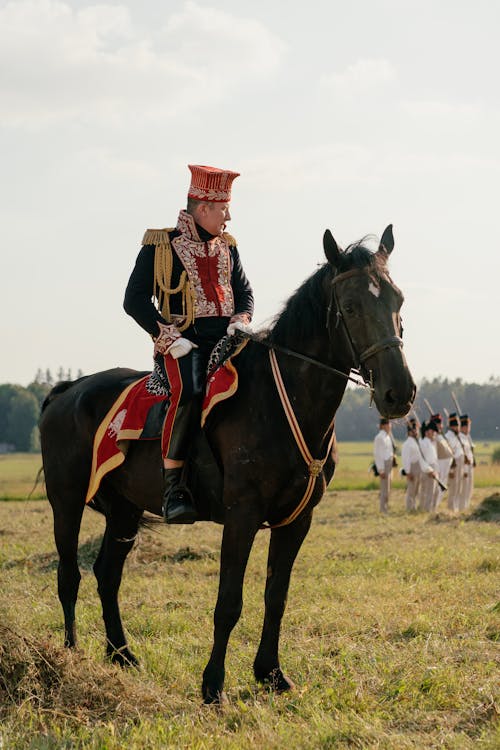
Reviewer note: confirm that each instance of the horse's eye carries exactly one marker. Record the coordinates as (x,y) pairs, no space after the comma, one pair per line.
(349,308)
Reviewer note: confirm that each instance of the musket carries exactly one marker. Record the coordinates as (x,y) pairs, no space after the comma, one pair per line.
(431,410)
(457,405)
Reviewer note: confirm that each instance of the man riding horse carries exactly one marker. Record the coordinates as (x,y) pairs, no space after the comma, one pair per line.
(187,290)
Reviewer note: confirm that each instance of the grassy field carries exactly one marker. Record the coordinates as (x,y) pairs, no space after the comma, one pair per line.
(391,633)
(18,471)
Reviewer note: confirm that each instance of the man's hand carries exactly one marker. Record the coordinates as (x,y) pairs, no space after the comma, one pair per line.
(181,347)
(168,334)
(237,325)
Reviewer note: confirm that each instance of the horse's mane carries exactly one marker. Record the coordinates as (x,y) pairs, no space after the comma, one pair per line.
(306,308)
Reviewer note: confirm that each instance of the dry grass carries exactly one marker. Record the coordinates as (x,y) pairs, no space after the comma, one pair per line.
(391,635)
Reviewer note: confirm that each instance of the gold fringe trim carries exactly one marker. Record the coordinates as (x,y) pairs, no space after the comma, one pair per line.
(163,264)
(229,239)
(156,236)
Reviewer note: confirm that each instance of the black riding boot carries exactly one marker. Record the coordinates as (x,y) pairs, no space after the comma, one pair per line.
(178,504)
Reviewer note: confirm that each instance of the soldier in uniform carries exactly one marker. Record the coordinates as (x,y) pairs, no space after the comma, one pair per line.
(383,455)
(455,476)
(469,462)
(411,459)
(444,453)
(187,290)
(429,487)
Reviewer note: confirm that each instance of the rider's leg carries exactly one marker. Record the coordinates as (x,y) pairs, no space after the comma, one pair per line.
(178,504)
(189,373)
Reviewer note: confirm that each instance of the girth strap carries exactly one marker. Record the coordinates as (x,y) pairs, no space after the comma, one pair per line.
(314,465)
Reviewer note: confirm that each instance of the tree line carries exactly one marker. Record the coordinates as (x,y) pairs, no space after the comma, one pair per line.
(20,410)
(355,421)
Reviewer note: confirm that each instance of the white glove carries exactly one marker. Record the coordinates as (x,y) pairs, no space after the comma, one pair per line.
(181,347)
(237,325)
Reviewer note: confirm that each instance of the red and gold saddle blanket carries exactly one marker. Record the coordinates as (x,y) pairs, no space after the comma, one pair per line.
(126,419)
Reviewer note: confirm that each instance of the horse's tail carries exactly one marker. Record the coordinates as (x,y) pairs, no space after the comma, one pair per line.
(37,479)
(57,390)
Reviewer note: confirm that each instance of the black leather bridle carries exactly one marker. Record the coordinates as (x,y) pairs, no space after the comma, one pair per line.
(359,358)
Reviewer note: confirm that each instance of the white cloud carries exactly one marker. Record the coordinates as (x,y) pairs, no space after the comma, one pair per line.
(95,64)
(435,110)
(363,76)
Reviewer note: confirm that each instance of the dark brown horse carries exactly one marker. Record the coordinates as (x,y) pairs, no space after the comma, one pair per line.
(345,315)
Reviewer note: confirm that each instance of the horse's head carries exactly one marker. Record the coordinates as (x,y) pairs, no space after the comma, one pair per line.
(365,305)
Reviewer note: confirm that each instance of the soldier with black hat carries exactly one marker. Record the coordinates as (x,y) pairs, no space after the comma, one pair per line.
(411,459)
(444,453)
(455,476)
(429,488)
(468,448)
(383,455)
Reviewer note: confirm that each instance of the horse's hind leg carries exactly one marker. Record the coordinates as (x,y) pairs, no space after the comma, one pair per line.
(122,523)
(67,520)
(283,548)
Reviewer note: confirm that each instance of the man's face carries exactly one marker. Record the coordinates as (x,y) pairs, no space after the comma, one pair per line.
(213,217)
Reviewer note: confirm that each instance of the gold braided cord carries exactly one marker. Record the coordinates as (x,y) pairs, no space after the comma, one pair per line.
(163,264)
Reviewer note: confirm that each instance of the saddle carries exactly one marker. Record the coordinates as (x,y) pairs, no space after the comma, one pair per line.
(142,407)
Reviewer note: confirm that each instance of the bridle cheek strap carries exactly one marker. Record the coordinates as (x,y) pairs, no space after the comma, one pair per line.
(379,346)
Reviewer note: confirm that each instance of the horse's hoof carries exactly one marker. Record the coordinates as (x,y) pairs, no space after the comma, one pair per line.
(216,698)
(122,657)
(277,681)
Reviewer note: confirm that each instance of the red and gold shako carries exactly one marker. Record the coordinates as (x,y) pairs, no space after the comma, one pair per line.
(210,183)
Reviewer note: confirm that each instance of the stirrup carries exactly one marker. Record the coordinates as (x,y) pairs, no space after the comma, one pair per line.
(178,506)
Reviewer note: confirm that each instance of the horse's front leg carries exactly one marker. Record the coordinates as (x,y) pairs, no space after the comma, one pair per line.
(240,528)
(283,548)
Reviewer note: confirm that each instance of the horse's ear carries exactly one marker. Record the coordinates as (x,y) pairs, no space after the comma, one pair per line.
(332,251)
(387,240)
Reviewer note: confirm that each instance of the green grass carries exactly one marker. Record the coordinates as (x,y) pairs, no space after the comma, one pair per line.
(18,471)
(391,635)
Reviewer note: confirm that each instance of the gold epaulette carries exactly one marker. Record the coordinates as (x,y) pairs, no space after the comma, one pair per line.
(229,239)
(156,236)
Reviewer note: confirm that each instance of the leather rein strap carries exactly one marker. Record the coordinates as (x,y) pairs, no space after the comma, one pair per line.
(314,465)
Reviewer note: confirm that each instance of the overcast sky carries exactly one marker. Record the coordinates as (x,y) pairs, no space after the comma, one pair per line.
(346,115)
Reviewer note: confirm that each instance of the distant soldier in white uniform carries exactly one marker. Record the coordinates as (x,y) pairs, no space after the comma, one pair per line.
(456,474)
(468,448)
(445,455)
(429,487)
(383,456)
(410,459)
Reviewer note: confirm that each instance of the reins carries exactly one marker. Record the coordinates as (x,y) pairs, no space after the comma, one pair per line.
(305,358)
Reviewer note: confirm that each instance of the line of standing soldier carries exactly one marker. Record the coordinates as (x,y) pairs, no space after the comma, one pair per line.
(433,462)
(439,461)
